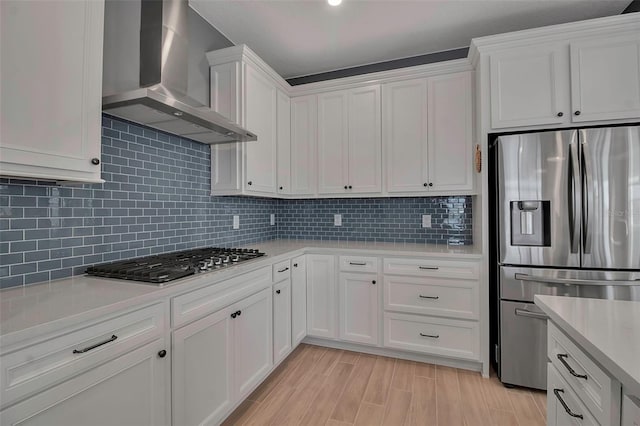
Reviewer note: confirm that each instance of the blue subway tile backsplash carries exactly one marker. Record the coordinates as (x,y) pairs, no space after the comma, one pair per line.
(156,199)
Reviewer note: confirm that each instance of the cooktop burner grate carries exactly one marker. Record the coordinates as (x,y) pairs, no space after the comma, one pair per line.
(166,267)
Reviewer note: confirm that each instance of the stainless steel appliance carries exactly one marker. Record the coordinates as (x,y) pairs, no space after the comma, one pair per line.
(162,268)
(568,224)
(146,71)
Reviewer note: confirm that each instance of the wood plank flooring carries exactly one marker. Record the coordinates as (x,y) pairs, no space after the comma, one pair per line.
(330,387)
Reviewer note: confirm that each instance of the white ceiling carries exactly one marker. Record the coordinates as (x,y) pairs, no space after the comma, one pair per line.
(303,37)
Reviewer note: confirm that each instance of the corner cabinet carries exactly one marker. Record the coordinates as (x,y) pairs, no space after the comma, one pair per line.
(349,141)
(428,134)
(561,83)
(304,137)
(51,99)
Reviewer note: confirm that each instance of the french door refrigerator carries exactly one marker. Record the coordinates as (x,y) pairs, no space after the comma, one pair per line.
(568,222)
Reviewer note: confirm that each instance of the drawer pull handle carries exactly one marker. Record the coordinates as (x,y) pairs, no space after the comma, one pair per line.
(430,297)
(358,263)
(557,392)
(562,357)
(529,314)
(283,270)
(87,349)
(429,268)
(434,336)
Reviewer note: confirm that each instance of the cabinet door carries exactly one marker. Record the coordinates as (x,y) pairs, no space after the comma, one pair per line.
(304,128)
(252,341)
(130,390)
(404,125)
(365,143)
(333,155)
(529,86)
(202,366)
(226,158)
(605,78)
(321,295)
(359,308)
(298,299)
(51,98)
(281,320)
(283,132)
(450,132)
(260,118)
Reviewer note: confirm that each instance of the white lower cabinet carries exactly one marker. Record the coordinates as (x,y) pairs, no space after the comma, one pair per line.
(281,320)
(564,407)
(298,299)
(321,295)
(359,308)
(220,358)
(129,390)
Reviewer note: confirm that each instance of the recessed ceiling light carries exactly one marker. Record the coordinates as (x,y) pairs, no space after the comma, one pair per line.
(334,2)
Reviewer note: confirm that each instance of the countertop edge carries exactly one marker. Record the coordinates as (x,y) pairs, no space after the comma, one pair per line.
(629,384)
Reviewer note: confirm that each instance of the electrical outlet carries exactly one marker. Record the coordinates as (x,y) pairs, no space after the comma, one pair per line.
(272,219)
(426,221)
(337,220)
(236,221)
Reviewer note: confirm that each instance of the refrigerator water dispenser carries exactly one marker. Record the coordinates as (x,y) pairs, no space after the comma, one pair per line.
(530,223)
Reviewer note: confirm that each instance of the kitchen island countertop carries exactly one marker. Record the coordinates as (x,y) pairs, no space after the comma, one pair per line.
(608,330)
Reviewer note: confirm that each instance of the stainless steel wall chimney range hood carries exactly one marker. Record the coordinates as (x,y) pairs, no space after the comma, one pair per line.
(145,72)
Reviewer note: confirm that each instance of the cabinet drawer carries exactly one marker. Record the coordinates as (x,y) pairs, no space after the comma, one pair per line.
(281,271)
(559,392)
(34,368)
(438,268)
(593,386)
(199,303)
(437,336)
(431,296)
(359,264)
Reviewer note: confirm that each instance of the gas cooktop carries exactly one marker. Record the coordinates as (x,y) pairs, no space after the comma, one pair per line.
(166,267)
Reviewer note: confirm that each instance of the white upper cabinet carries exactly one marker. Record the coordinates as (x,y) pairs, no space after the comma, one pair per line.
(405,135)
(428,134)
(51,89)
(605,78)
(260,113)
(566,82)
(450,131)
(333,143)
(365,143)
(283,145)
(529,86)
(304,134)
(349,141)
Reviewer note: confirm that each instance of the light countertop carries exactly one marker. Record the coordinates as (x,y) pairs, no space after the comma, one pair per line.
(608,330)
(28,311)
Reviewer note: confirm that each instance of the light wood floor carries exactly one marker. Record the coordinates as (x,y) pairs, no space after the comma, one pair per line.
(323,386)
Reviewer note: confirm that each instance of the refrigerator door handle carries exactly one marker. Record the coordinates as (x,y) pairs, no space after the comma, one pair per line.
(529,314)
(542,279)
(574,195)
(587,182)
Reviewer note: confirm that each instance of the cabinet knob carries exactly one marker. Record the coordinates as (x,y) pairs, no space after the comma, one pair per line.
(250,183)
(95,161)
(350,187)
(577,113)
(425,184)
(233,315)
(295,265)
(373,282)
(162,353)
(430,183)
(277,291)
(560,114)
(345,187)
(239,313)
(281,188)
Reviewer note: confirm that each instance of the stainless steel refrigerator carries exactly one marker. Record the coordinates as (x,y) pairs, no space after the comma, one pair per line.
(568,222)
